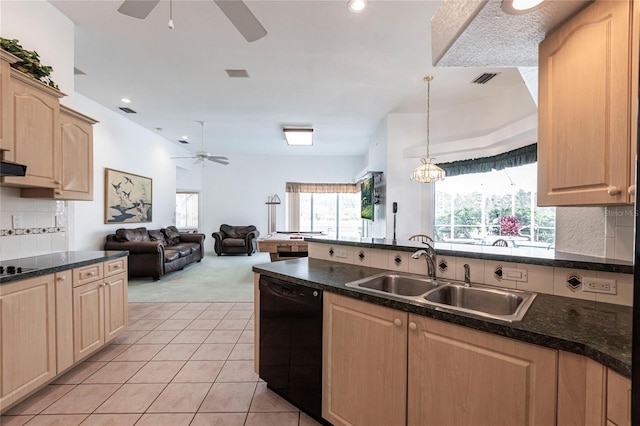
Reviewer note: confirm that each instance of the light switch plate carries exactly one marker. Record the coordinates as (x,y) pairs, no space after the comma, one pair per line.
(16,221)
(514,274)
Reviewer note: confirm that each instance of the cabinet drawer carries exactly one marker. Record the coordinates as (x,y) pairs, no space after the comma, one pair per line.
(115,266)
(87,274)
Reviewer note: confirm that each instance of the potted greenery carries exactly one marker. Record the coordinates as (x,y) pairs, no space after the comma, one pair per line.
(29,62)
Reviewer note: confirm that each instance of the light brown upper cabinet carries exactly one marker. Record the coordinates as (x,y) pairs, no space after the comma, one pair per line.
(35,138)
(75,164)
(6,112)
(588,72)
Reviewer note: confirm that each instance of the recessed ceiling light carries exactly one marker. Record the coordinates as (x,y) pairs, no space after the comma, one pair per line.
(516,7)
(300,137)
(126,100)
(356,6)
(185,137)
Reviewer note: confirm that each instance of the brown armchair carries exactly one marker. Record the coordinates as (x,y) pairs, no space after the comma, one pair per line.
(235,240)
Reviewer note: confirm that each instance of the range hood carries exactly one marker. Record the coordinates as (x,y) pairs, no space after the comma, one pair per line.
(480,33)
(7,168)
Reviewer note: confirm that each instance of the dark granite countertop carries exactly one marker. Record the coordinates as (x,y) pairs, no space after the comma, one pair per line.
(528,255)
(55,262)
(600,331)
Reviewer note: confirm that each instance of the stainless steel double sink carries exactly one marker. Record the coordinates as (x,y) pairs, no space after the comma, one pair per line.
(489,302)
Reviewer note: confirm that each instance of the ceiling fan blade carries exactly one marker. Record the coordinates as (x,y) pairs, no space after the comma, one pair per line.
(217,157)
(137,8)
(219,161)
(242,18)
(180,158)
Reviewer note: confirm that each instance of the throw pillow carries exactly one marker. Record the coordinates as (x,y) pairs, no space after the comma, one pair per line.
(172,235)
(157,235)
(138,234)
(229,231)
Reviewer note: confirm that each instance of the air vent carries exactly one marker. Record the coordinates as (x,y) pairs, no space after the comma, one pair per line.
(127,110)
(78,71)
(237,73)
(183,141)
(484,78)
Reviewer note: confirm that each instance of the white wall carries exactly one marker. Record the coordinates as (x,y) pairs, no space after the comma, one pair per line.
(236,194)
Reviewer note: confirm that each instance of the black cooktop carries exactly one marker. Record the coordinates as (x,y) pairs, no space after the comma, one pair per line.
(14,270)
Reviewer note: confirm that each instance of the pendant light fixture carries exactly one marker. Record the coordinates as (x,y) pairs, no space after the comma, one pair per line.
(427,172)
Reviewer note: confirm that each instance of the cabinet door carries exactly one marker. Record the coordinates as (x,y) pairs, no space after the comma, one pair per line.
(36,138)
(364,363)
(76,164)
(460,376)
(88,319)
(584,129)
(6,110)
(27,337)
(618,399)
(115,306)
(581,390)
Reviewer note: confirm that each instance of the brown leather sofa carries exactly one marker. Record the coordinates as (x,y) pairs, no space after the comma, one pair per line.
(236,239)
(156,252)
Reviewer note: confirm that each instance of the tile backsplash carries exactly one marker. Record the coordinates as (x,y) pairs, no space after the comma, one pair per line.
(620,223)
(42,225)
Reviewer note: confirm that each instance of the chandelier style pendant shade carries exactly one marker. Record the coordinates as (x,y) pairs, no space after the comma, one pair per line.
(427,171)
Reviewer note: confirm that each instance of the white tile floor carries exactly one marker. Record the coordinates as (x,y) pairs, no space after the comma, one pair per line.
(177,364)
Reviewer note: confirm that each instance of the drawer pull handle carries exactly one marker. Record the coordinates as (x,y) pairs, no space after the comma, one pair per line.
(413,326)
(613,190)
(397,322)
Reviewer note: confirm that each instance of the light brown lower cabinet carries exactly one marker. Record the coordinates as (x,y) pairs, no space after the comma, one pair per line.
(364,363)
(618,399)
(460,376)
(582,390)
(27,337)
(47,324)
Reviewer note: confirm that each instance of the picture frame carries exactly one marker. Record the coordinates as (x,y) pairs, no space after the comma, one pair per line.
(127,197)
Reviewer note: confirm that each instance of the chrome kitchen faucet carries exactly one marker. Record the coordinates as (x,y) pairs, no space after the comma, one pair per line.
(430,256)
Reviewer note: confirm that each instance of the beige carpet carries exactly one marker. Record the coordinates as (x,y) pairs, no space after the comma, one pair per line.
(215,279)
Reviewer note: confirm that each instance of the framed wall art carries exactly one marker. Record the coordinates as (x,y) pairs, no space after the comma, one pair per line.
(127,197)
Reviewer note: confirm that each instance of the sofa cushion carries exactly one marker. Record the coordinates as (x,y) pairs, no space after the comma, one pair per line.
(183,249)
(171,255)
(229,231)
(157,235)
(172,235)
(193,247)
(137,234)
(233,242)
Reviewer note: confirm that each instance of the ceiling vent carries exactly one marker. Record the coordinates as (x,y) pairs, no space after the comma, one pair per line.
(484,78)
(78,71)
(127,110)
(237,73)
(183,141)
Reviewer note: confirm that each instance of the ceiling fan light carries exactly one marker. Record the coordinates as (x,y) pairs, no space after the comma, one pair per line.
(356,6)
(427,172)
(299,137)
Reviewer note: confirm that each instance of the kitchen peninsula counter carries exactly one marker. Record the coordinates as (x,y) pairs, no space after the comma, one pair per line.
(527,255)
(55,262)
(600,331)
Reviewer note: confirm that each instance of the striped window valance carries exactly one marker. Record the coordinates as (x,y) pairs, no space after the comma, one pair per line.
(518,157)
(296,187)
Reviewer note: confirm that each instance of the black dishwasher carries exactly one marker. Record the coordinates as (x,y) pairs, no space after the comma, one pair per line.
(291,342)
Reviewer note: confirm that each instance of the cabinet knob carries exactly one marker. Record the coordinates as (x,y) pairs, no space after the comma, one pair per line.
(631,190)
(397,322)
(413,326)
(61,278)
(613,190)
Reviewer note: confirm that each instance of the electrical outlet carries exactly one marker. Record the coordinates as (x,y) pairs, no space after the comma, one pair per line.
(341,253)
(599,285)
(16,221)
(514,274)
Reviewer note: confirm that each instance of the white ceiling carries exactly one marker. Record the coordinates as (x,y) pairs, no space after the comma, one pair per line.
(319,65)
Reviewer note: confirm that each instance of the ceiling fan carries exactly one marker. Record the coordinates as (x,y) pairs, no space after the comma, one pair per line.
(202,155)
(235,10)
